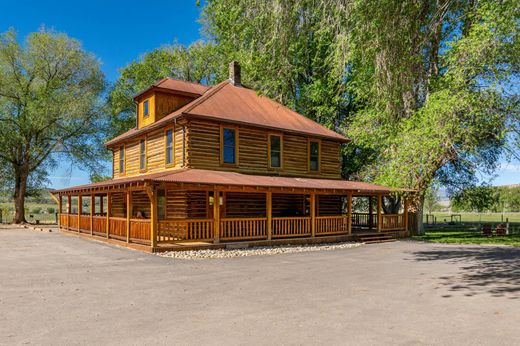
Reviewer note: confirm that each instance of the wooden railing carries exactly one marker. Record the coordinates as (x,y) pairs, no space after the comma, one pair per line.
(73,221)
(99,224)
(291,226)
(84,223)
(392,222)
(362,220)
(331,225)
(243,228)
(185,229)
(117,227)
(64,220)
(140,229)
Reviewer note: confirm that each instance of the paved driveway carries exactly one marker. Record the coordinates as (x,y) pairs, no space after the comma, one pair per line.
(60,289)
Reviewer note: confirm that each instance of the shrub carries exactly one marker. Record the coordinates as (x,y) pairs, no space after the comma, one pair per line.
(36,210)
(50,210)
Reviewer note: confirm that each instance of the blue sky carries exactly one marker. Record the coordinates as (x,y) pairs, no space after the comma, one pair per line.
(118,32)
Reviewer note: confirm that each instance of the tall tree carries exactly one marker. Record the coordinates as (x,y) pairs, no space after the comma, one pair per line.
(425,88)
(198,63)
(50,91)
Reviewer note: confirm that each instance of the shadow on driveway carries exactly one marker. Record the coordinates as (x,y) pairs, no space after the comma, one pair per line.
(492,270)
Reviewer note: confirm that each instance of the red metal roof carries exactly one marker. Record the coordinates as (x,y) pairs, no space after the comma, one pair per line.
(222,178)
(177,85)
(229,103)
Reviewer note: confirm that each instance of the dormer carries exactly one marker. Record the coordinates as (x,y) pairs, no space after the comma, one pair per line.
(163,98)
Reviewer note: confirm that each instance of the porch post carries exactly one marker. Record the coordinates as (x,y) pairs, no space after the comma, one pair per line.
(79,212)
(60,204)
(109,205)
(313,215)
(152,194)
(69,210)
(216,216)
(128,214)
(405,215)
(269,214)
(370,212)
(349,213)
(379,215)
(92,207)
(101,204)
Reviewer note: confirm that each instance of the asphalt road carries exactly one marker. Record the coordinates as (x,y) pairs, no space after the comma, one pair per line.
(57,289)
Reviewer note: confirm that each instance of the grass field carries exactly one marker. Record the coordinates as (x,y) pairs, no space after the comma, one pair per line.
(467,236)
(43,215)
(476,217)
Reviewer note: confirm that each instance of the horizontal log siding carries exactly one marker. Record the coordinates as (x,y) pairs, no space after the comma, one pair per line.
(203,152)
(287,205)
(330,205)
(183,204)
(140,202)
(245,205)
(118,204)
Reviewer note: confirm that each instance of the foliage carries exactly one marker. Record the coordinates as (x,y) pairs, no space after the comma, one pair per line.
(96,178)
(50,92)
(431,199)
(468,236)
(197,63)
(477,199)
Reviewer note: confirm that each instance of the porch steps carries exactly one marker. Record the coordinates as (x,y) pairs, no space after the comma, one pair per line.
(374,238)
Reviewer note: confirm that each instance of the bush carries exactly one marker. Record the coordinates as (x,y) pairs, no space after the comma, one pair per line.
(50,210)
(36,210)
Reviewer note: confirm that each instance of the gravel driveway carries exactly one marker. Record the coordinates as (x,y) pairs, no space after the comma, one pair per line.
(60,289)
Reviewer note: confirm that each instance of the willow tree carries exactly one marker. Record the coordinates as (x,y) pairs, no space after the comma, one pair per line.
(50,91)
(425,88)
(198,62)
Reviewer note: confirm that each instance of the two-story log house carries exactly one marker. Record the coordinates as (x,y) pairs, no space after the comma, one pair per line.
(210,165)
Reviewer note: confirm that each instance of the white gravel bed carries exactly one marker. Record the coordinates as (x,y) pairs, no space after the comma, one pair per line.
(256,251)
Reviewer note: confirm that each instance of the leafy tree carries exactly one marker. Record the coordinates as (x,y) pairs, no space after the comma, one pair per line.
(431,199)
(478,199)
(198,63)
(50,92)
(425,88)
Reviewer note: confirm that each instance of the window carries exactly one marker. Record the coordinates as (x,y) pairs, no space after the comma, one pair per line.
(169,147)
(142,155)
(146,110)
(228,150)
(314,156)
(275,151)
(121,159)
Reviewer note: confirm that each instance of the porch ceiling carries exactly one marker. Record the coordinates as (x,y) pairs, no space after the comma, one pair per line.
(232,179)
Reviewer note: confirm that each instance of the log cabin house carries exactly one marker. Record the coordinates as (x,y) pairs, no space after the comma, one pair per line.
(205,166)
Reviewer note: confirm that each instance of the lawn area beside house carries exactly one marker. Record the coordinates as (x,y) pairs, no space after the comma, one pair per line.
(478,217)
(467,236)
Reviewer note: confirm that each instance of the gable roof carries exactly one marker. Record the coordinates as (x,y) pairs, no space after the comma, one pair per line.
(171,84)
(237,104)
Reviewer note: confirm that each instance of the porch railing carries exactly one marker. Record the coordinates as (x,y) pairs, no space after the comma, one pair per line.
(140,229)
(243,228)
(73,221)
(185,229)
(99,225)
(331,225)
(392,222)
(117,227)
(84,223)
(291,226)
(363,220)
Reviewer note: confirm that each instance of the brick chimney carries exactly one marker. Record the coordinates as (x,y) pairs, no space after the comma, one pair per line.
(234,73)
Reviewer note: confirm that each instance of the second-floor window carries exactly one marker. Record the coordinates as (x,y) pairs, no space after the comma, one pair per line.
(121,159)
(146,110)
(229,145)
(275,151)
(169,147)
(142,155)
(314,156)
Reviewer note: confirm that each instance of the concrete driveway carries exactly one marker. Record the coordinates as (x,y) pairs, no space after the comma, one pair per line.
(60,289)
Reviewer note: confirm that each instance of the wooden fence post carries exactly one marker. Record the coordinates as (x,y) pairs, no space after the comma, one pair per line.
(349,213)
(60,205)
(109,205)
(379,215)
(370,212)
(154,222)
(216,216)
(313,215)
(79,212)
(128,214)
(92,206)
(69,210)
(269,214)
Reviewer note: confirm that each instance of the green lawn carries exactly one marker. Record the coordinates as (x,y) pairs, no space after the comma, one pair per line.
(476,217)
(43,215)
(467,236)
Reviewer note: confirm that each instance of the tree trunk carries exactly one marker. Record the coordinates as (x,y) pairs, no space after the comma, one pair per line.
(20,188)
(419,226)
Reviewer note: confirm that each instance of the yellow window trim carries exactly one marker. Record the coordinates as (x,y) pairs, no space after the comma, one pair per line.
(145,169)
(166,129)
(271,134)
(237,145)
(123,173)
(309,141)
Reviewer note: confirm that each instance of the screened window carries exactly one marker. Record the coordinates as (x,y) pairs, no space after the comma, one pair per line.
(229,146)
(275,147)
(121,159)
(169,147)
(146,110)
(142,154)
(314,156)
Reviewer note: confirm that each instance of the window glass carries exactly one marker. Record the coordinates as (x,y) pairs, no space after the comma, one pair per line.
(276,149)
(229,146)
(169,147)
(121,159)
(314,156)
(142,154)
(146,111)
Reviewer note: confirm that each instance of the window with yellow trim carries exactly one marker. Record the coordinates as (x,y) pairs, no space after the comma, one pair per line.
(121,159)
(314,156)
(142,154)
(229,146)
(275,151)
(169,147)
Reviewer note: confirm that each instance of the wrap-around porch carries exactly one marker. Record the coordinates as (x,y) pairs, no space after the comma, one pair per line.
(161,215)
